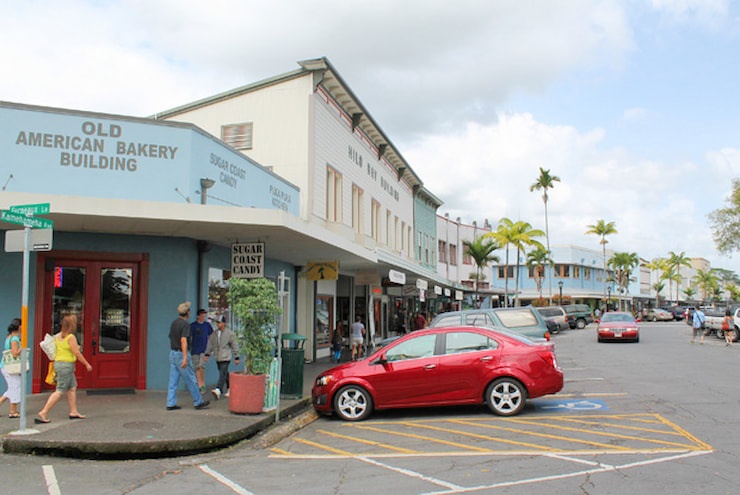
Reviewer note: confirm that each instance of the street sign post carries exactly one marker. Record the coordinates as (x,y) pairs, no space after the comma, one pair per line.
(24,215)
(26,221)
(35,209)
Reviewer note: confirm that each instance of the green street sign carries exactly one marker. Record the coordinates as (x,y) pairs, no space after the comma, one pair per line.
(36,209)
(32,222)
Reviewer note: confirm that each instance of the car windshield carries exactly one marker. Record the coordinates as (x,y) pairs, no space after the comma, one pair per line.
(607,317)
(517,318)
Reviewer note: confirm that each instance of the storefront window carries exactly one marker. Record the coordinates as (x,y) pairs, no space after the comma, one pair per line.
(324,319)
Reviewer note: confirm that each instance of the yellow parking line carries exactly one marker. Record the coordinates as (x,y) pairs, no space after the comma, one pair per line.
(368,442)
(421,437)
(543,435)
(617,425)
(699,443)
(323,447)
(483,437)
(603,434)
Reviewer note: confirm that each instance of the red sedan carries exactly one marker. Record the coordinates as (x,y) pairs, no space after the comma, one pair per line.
(442,367)
(618,325)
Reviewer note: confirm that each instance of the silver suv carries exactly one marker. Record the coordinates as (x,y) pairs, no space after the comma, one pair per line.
(556,314)
(525,320)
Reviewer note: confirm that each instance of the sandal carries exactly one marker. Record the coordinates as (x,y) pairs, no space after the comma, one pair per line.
(14,415)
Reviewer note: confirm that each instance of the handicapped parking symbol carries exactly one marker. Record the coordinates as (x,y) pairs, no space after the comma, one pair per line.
(573,405)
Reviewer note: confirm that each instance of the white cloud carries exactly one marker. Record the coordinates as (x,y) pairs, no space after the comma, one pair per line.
(634,114)
(485,172)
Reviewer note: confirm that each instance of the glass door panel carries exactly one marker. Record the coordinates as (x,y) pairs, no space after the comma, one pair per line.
(69,298)
(115,310)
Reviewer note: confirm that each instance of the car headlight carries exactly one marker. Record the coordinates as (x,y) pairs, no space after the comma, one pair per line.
(323,380)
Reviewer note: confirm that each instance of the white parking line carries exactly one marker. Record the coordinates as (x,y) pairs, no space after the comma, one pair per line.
(224,480)
(601,469)
(52,486)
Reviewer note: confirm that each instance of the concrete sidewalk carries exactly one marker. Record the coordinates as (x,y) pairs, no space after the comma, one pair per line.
(137,425)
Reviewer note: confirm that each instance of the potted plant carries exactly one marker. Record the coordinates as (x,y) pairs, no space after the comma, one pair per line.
(254,309)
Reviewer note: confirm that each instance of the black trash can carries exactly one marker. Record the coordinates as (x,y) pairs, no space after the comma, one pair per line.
(291,372)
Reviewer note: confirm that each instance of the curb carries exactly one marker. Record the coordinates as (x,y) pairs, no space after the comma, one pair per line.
(167,448)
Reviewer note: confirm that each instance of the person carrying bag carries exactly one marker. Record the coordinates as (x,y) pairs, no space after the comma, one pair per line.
(11,368)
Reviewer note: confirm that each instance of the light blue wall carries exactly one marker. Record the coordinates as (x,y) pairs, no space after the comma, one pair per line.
(173,278)
(130,158)
(567,255)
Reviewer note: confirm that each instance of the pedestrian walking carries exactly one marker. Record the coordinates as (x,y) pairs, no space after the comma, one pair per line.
(13,382)
(336,341)
(180,365)
(67,355)
(728,325)
(697,325)
(222,344)
(356,338)
(200,332)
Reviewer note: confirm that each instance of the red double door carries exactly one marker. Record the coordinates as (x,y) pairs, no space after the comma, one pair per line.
(108,298)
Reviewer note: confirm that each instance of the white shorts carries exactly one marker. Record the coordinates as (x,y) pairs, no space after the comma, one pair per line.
(353,341)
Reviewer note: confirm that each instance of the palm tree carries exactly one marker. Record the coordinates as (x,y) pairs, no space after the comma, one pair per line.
(481,251)
(544,182)
(658,265)
(677,261)
(689,292)
(523,236)
(502,237)
(658,287)
(706,281)
(603,229)
(671,275)
(537,260)
(623,264)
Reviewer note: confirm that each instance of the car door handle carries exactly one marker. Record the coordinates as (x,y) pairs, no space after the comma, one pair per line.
(486,358)
(430,366)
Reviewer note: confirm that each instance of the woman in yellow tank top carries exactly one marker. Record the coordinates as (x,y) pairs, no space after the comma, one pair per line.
(68,353)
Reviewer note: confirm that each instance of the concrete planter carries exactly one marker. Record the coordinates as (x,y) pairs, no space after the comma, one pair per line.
(246,393)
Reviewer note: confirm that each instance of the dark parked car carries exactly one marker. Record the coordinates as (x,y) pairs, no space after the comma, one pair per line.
(442,367)
(524,320)
(579,315)
(676,311)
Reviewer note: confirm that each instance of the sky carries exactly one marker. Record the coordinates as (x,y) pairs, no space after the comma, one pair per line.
(633,104)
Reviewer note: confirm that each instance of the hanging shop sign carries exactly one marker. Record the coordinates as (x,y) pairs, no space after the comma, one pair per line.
(322,270)
(248,260)
(397,277)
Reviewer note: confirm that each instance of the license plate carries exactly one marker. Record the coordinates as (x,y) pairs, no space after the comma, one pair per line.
(617,334)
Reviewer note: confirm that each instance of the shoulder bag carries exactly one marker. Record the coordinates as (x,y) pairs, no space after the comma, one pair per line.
(11,364)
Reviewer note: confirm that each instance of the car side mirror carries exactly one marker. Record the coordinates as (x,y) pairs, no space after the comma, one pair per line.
(381,359)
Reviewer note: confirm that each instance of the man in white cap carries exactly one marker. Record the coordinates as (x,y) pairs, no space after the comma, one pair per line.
(222,344)
(180,365)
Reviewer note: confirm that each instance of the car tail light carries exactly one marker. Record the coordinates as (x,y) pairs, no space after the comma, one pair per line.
(547,336)
(548,356)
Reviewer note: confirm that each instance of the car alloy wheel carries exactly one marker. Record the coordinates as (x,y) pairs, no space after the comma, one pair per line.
(580,324)
(506,396)
(353,403)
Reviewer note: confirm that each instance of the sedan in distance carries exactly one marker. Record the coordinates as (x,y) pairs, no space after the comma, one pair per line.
(618,325)
(657,314)
(442,367)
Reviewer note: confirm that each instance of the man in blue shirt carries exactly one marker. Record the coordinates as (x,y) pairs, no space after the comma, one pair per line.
(697,325)
(200,330)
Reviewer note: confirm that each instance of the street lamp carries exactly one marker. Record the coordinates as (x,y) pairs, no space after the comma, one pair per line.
(560,286)
(609,296)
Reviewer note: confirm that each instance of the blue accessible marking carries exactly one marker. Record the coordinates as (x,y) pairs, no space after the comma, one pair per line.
(569,405)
